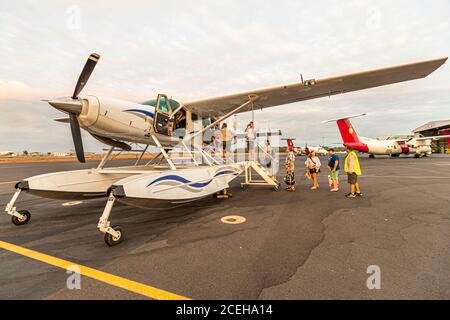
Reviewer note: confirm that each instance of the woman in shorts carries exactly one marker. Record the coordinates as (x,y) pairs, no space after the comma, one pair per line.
(313,165)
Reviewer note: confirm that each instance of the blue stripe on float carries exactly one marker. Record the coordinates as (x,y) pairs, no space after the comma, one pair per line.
(188,182)
(180,179)
(224,172)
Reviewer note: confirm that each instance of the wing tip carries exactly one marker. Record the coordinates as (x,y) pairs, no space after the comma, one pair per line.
(442,60)
(434,64)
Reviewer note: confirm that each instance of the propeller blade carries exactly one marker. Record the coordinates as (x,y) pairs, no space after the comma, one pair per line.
(76,135)
(85,74)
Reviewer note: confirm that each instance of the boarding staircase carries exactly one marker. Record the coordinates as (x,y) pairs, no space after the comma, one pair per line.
(264,178)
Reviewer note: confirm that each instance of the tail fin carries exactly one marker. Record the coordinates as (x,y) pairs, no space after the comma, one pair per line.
(346,129)
(290,143)
(348,134)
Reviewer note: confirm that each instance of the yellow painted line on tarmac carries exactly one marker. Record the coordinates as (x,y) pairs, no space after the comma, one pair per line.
(8,182)
(16,167)
(110,279)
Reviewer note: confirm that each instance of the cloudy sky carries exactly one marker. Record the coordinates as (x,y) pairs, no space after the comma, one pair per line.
(196,49)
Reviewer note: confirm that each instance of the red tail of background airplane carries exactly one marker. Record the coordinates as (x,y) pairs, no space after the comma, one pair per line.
(290,143)
(348,134)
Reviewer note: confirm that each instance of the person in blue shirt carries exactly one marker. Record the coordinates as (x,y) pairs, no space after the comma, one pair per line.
(333,167)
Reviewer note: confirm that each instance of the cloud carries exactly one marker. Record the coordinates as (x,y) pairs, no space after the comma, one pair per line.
(27,125)
(19,91)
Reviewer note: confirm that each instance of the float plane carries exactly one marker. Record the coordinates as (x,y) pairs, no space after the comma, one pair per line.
(169,123)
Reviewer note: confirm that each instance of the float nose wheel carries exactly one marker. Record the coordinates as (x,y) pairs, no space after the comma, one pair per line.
(24,219)
(114,234)
(114,240)
(20,217)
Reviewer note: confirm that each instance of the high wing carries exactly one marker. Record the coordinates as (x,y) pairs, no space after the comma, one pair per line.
(260,133)
(312,89)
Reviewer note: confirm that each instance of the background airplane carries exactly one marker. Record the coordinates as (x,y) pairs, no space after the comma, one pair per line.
(319,150)
(419,146)
(7,153)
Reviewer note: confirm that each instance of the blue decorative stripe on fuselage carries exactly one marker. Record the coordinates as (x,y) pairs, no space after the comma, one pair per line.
(144,112)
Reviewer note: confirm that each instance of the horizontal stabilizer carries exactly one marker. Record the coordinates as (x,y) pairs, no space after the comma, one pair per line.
(262,133)
(345,118)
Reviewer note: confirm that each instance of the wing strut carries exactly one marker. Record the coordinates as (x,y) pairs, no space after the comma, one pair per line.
(251,99)
(163,151)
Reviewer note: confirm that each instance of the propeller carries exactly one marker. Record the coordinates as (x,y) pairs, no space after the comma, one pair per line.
(76,136)
(85,74)
(74,106)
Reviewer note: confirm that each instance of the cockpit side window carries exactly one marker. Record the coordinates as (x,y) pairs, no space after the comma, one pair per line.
(163,105)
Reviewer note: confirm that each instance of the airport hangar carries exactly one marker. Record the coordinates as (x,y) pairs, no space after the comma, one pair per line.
(435,128)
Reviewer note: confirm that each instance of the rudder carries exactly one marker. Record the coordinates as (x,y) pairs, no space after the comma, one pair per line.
(347,131)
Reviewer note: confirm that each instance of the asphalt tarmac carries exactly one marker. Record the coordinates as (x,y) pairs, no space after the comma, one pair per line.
(293,245)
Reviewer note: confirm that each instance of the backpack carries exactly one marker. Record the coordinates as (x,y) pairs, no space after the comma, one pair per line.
(289,179)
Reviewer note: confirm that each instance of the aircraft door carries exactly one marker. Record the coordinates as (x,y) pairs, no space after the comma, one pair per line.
(163,123)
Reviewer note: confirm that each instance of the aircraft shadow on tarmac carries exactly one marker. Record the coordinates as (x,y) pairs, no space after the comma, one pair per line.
(59,226)
(70,231)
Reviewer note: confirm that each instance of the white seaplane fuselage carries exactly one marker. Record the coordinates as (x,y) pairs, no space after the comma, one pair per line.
(121,120)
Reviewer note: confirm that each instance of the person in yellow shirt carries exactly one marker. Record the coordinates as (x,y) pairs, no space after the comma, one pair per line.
(353,170)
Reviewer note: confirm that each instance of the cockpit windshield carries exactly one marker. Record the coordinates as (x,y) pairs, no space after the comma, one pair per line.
(169,116)
(163,103)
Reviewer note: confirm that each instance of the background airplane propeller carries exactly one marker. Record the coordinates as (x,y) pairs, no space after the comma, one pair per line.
(73,106)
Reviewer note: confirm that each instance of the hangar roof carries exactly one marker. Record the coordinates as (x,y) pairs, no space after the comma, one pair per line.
(433,125)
